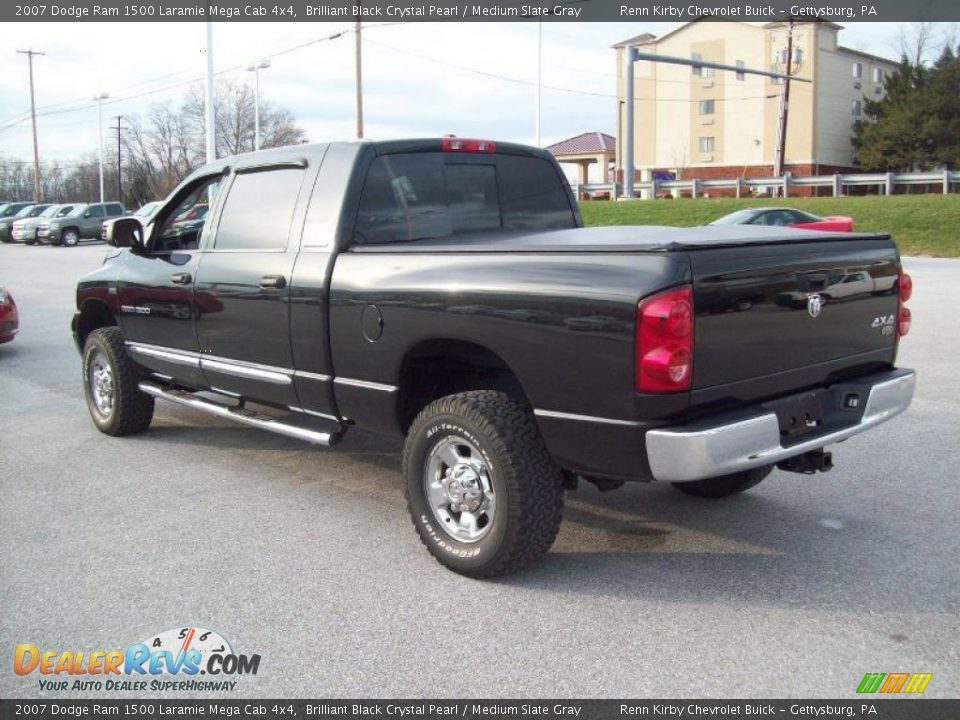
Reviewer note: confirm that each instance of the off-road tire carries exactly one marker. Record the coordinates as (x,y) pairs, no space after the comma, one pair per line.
(132,409)
(528,486)
(725,485)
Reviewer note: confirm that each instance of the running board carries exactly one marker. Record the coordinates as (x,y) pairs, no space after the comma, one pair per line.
(239,414)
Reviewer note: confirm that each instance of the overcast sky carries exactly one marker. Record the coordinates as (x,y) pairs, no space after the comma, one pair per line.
(471,79)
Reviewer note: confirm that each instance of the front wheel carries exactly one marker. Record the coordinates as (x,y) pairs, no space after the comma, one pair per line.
(725,485)
(110,383)
(70,238)
(482,490)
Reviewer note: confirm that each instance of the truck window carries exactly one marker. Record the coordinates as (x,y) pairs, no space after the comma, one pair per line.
(258,210)
(532,195)
(418,196)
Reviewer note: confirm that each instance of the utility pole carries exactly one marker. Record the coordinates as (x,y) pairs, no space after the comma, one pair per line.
(119,164)
(33,119)
(784,106)
(359,81)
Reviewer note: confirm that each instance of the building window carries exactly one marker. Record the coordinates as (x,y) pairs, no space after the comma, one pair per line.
(740,75)
(774,68)
(858,70)
(698,71)
(706,144)
(707,107)
(857,108)
(878,75)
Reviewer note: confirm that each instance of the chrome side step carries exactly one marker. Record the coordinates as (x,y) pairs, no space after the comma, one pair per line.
(239,414)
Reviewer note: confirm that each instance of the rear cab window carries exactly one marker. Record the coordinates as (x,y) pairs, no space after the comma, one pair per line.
(424,195)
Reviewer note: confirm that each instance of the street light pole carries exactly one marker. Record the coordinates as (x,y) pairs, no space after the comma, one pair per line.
(98,99)
(255,68)
(209,117)
(358,63)
(539,78)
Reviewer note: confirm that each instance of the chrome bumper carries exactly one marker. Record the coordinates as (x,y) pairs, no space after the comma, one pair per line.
(683,454)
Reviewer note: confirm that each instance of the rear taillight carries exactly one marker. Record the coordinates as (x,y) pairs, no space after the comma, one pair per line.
(455,144)
(664,342)
(904,316)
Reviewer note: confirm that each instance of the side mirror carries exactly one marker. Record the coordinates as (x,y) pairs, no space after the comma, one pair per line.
(124,232)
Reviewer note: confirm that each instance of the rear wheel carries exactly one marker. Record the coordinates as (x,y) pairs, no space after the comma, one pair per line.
(70,238)
(482,490)
(110,383)
(725,485)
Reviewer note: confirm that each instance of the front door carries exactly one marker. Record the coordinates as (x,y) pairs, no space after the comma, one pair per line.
(242,287)
(155,291)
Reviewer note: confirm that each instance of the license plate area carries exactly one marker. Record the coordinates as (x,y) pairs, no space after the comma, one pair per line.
(819,411)
(800,414)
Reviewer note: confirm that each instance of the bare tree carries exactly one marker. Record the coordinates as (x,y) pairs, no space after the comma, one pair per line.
(915,41)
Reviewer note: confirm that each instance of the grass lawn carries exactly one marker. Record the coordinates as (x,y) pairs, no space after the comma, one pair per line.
(921,224)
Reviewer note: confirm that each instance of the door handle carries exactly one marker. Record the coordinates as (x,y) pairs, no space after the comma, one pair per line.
(180,278)
(273,281)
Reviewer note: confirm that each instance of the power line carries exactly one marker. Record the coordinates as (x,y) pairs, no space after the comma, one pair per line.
(531,83)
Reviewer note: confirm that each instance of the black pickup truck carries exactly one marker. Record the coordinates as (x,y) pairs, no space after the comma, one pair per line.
(445,290)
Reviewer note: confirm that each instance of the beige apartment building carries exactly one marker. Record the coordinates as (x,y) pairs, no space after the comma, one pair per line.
(701,123)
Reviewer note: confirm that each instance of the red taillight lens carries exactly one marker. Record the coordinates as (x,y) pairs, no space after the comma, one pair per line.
(454,144)
(903,326)
(904,316)
(906,287)
(664,342)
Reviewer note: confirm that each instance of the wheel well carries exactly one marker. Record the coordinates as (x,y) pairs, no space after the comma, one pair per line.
(93,314)
(436,368)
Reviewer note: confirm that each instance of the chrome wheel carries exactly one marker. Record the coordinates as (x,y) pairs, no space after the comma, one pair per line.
(100,380)
(71,238)
(459,489)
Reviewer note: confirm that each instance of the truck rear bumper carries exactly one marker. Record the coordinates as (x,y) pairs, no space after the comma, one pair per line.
(751,438)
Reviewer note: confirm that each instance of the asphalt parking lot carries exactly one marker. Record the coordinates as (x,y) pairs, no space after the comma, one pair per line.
(306,556)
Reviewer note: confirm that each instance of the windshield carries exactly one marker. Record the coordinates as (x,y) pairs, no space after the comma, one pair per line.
(739,217)
(64,210)
(78,210)
(50,211)
(147,210)
(25,212)
(11,209)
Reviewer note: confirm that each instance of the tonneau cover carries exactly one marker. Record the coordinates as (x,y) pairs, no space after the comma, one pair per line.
(618,238)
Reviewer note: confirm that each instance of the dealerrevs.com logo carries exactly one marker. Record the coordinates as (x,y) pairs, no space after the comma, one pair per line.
(172,660)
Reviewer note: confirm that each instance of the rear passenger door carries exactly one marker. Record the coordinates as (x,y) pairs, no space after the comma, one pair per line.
(92,222)
(242,290)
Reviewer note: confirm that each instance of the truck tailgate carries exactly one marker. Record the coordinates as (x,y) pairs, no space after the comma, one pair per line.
(795,315)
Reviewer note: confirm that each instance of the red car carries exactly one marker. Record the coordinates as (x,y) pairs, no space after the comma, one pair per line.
(9,321)
(786,217)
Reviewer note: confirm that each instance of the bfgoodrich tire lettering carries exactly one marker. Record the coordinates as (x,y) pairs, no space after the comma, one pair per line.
(526,485)
(110,378)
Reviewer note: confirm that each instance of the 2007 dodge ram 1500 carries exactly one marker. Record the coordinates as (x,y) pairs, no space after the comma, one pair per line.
(445,290)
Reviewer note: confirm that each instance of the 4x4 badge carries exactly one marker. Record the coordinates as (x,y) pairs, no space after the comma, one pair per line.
(814,305)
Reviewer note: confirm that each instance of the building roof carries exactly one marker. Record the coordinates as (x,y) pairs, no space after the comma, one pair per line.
(868,56)
(589,142)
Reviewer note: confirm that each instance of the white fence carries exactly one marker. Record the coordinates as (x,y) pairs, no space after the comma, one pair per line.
(887,182)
